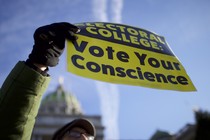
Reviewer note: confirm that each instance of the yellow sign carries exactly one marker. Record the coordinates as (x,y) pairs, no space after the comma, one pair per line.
(124,54)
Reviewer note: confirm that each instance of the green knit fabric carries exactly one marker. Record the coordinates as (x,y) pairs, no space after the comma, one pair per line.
(20,97)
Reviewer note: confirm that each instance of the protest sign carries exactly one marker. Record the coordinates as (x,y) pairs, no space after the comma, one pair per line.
(124,54)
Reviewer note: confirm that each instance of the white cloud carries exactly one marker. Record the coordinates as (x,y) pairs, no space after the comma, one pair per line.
(109,98)
(116,10)
(99,10)
(108,93)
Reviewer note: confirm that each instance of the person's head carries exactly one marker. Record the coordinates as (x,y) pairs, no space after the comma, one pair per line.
(79,129)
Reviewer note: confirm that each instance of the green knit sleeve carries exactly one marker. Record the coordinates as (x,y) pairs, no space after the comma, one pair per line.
(20,97)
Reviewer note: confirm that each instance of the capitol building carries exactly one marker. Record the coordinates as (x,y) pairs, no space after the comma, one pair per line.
(59,108)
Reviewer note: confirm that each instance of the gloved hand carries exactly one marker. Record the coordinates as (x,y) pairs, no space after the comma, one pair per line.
(49,42)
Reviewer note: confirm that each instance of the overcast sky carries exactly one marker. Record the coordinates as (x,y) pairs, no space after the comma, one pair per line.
(140,111)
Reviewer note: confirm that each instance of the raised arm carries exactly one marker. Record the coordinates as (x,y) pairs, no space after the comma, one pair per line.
(21,92)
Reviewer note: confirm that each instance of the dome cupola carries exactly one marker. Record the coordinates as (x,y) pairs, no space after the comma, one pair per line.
(60,102)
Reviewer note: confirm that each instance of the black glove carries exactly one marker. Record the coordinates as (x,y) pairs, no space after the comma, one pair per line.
(49,42)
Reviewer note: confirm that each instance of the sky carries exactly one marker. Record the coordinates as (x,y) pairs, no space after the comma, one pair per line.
(138,111)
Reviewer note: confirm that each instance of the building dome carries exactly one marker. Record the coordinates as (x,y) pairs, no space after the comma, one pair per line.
(60,102)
